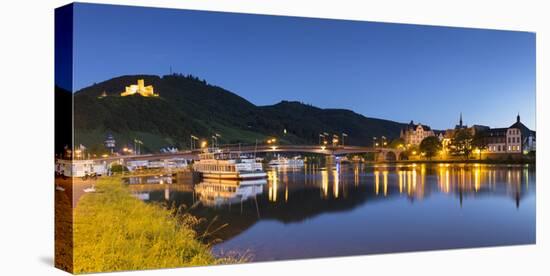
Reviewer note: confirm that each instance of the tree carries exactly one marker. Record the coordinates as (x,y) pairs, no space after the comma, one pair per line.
(479,142)
(397,143)
(461,143)
(430,146)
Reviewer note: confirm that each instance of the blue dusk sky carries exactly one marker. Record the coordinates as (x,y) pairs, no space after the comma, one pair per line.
(392,71)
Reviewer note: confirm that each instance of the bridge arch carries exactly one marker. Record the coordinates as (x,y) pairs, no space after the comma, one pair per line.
(390,156)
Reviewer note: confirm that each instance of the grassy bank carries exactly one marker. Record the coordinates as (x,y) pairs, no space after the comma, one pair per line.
(114,231)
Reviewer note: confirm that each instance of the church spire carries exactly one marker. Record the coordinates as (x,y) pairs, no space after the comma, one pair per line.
(460,122)
(517,118)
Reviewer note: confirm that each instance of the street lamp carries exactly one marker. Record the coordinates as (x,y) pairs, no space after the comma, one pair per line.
(215,138)
(214,141)
(193,139)
(137,146)
(343,135)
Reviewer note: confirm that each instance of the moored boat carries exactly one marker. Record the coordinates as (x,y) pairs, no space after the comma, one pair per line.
(287,162)
(218,164)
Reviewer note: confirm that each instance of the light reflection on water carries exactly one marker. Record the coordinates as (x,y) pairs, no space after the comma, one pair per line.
(352,209)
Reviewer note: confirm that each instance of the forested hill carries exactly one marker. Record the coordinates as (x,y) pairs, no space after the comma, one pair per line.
(190,106)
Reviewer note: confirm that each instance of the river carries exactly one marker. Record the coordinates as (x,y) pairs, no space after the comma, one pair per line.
(354,209)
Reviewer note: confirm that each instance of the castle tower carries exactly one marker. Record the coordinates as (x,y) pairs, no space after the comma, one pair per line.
(141,84)
(139,88)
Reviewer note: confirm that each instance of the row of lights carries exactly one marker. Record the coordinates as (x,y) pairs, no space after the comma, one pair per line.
(335,138)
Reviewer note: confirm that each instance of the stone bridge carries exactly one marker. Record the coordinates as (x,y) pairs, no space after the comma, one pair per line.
(381,154)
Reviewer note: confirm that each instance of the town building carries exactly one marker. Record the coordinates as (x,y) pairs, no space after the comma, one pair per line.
(139,88)
(413,133)
(447,136)
(515,139)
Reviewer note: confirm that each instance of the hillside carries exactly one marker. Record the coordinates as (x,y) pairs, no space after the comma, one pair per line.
(188,105)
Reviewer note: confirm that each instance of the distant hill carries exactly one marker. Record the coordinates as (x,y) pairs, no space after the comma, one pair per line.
(188,105)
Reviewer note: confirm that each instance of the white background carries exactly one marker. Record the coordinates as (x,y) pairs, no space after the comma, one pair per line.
(26,133)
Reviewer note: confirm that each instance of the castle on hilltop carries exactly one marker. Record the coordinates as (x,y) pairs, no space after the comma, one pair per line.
(139,88)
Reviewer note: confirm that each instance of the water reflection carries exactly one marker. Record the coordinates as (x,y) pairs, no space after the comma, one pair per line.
(305,199)
(223,192)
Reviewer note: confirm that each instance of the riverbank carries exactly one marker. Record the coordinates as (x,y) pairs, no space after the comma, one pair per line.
(113,231)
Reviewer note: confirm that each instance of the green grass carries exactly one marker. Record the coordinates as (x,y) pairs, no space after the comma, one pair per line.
(113,231)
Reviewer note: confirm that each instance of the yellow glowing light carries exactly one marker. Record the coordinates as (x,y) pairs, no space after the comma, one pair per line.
(272,175)
(286,193)
(204,144)
(324,182)
(139,88)
(376,182)
(385,174)
(335,188)
(477,179)
(401,176)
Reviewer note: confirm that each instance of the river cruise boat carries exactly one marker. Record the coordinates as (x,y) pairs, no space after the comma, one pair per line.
(218,164)
(287,162)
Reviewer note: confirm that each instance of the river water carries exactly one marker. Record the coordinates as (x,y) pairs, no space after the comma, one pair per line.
(353,209)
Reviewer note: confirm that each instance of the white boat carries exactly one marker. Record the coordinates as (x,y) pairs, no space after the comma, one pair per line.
(217,164)
(286,162)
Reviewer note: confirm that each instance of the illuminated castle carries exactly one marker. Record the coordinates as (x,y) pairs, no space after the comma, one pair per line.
(140,88)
